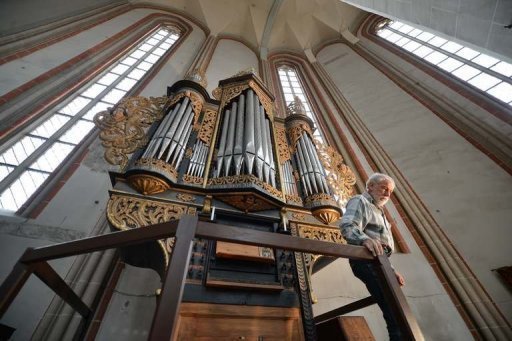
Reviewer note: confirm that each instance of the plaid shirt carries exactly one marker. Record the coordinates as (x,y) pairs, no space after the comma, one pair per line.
(363,220)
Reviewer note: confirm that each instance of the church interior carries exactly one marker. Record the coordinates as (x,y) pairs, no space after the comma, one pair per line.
(166,165)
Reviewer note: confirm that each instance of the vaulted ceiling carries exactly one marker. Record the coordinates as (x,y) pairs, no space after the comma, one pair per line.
(271,24)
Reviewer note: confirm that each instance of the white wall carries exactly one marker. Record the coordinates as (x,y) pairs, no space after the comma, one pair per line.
(229,58)
(466,192)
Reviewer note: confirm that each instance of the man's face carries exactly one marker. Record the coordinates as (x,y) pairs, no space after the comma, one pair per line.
(381,191)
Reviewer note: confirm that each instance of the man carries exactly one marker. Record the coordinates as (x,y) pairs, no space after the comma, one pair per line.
(364,223)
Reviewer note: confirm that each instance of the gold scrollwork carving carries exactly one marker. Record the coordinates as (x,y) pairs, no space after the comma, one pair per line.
(318,197)
(296,107)
(332,235)
(245,179)
(294,199)
(189,152)
(195,99)
(217,93)
(157,164)
(295,133)
(124,212)
(339,176)
(206,132)
(282,145)
(122,129)
(231,91)
(299,216)
(186,197)
(194,180)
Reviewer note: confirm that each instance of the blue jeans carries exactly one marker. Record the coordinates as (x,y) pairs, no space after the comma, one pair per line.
(365,271)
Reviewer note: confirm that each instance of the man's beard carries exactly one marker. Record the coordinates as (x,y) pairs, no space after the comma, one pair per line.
(381,202)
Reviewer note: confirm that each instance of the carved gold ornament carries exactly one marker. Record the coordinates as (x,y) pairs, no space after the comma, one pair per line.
(186,197)
(247,202)
(231,91)
(296,107)
(318,197)
(217,93)
(123,128)
(299,216)
(189,152)
(161,166)
(295,133)
(124,212)
(340,177)
(245,179)
(147,184)
(206,132)
(282,145)
(193,180)
(294,199)
(332,235)
(326,215)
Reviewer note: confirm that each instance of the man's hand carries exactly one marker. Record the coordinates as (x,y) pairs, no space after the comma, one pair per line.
(373,246)
(400,278)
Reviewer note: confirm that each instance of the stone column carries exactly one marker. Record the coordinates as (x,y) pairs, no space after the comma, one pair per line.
(197,70)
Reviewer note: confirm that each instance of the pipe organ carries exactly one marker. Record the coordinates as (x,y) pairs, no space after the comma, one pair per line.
(231,160)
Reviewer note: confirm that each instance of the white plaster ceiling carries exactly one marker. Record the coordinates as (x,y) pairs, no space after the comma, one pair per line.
(271,24)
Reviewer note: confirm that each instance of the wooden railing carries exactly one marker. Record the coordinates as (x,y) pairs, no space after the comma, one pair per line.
(35,261)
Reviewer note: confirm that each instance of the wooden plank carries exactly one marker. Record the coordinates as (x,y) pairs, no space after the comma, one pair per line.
(360,304)
(13,283)
(355,328)
(244,252)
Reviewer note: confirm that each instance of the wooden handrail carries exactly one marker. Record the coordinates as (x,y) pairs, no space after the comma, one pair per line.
(185,230)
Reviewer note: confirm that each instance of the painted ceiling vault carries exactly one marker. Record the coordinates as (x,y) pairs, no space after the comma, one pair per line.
(269,25)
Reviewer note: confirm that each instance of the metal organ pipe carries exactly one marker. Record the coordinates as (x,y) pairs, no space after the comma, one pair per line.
(160,132)
(239,138)
(249,132)
(258,140)
(266,146)
(271,156)
(222,145)
(228,152)
(172,129)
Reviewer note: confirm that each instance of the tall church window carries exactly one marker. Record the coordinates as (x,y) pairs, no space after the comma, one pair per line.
(292,87)
(485,73)
(30,158)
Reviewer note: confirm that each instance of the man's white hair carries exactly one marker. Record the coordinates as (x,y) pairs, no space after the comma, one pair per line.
(376,178)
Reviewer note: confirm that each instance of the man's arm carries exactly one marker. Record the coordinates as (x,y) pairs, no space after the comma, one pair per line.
(353,222)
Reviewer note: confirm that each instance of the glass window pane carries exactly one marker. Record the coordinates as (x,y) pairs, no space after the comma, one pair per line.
(4,171)
(466,72)
(411,46)
(126,84)
(136,74)
(144,66)
(108,79)
(504,68)
(484,81)
(165,46)
(384,33)
(467,53)
(137,54)
(502,91)
(415,32)
(151,59)
(436,57)
(406,29)
(159,51)
(450,64)
(50,126)
(485,60)
(120,69)
(403,41)
(94,90)
(52,157)
(425,36)
(422,51)
(451,47)
(77,132)
(145,47)
(74,107)
(288,98)
(437,41)
(152,41)
(21,150)
(129,61)
(100,106)
(396,25)
(114,96)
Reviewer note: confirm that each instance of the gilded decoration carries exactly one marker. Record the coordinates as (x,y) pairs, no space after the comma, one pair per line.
(318,197)
(245,179)
(123,128)
(158,165)
(332,235)
(124,213)
(231,91)
(326,215)
(206,132)
(217,93)
(247,202)
(294,199)
(189,152)
(264,99)
(186,197)
(207,206)
(295,133)
(299,216)
(195,99)
(296,107)
(193,180)
(147,184)
(339,176)
(282,144)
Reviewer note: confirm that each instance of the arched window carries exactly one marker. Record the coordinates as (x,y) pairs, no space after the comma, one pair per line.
(481,71)
(29,159)
(291,86)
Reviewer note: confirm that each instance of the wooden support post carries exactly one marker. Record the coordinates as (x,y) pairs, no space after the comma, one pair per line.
(12,285)
(360,304)
(396,299)
(51,278)
(168,309)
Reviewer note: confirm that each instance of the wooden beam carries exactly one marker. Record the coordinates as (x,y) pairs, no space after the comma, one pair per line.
(360,304)
(12,284)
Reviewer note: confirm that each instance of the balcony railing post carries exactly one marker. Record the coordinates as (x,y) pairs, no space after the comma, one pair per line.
(13,283)
(396,298)
(168,308)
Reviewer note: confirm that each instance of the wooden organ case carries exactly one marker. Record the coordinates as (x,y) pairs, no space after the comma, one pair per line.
(230,160)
